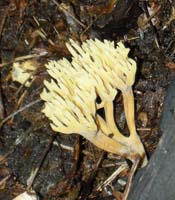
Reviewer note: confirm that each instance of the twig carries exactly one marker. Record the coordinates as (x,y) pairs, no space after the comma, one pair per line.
(42,32)
(131,174)
(21,98)
(4,17)
(130,39)
(1,106)
(144,129)
(35,172)
(17,59)
(18,111)
(74,18)
(4,158)
(4,180)
(88,185)
(151,24)
(113,176)
(149,17)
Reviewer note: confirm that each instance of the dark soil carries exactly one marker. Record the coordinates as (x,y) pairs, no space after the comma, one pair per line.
(69,166)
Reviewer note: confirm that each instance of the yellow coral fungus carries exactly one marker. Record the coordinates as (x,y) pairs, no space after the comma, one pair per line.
(97,69)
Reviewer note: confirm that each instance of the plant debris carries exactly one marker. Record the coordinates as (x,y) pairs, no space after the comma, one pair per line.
(37,31)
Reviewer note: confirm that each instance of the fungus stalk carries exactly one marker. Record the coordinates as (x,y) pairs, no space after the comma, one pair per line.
(98,69)
(109,116)
(102,141)
(128,100)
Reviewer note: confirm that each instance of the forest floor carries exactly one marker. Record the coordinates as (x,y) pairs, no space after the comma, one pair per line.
(33,32)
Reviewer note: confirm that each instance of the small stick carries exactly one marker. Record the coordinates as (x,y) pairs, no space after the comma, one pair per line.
(86,189)
(4,17)
(35,172)
(18,111)
(144,129)
(74,18)
(1,106)
(113,176)
(3,159)
(130,178)
(21,58)
(4,180)
(152,26)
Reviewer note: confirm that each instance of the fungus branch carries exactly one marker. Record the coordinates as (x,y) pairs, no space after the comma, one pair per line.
(108,107)
(128,100)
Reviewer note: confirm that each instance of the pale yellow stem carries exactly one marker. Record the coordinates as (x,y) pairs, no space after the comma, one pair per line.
(102,125)
(133,140)
(107,131)
(106,143)
(100,105)
(109,115)
(128,100)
